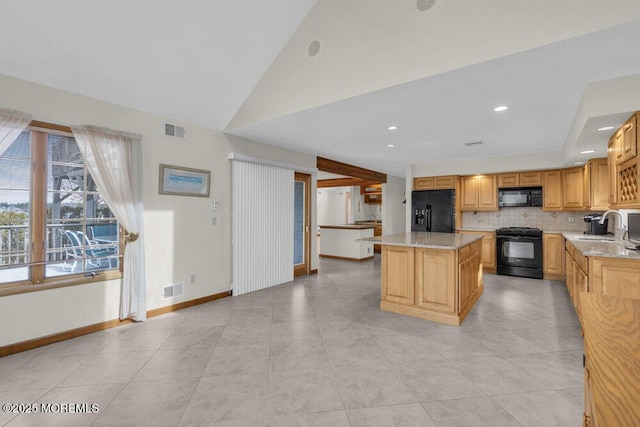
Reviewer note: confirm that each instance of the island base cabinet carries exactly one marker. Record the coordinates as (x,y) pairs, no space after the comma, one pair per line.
(433,269)
(441,285)
(398,274)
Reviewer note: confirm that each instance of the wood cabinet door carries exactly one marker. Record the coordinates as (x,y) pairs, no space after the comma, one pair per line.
(508,180)
(423,183)
(628,148)
(489,251)
(469,190)
(552,190)
(487,193)
(436,286)
(573,188)
(613,173)
(599,184)
(530,179)
(444,182)
(398,284)
(553,254)
(612,356)
(618,142)
(570,268)
(616,277)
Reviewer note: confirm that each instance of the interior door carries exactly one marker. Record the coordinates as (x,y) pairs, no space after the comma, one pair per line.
(302,224)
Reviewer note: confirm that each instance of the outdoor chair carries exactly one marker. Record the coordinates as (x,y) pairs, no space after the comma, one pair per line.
(93,254)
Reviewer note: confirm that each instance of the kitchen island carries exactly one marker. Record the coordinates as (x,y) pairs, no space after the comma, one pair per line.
(340,242)
(433,276)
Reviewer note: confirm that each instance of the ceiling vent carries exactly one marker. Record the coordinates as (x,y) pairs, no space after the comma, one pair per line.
(471,144)
(173,131)
(172,291)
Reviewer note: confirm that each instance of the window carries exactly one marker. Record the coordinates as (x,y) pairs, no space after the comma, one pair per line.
(55,227)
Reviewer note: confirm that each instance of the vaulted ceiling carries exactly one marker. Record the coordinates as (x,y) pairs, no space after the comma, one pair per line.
(328,77)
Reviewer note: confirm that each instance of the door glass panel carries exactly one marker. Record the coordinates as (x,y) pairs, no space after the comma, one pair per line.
(298,223)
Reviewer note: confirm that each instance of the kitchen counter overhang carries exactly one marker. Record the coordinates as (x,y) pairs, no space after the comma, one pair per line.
(433,276)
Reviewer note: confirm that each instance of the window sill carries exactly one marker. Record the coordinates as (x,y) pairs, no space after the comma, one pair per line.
(80,279)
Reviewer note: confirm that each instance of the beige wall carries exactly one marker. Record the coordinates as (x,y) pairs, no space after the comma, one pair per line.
(180,239)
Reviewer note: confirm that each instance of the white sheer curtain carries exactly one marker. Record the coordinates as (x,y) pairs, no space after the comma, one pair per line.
(114,159)
(12,123)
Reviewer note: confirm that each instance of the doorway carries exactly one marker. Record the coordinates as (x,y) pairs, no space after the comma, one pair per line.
(302,224)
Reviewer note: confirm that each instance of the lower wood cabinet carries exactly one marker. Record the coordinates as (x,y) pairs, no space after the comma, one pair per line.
(616,277)
(435,284)
(553,256)
(489,261)
(433,269)
(611,360)
(398,274)
(606,295)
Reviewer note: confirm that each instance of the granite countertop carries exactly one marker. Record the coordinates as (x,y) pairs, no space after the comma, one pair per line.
(601,246)
(484,229)
(348,226)
(426,240)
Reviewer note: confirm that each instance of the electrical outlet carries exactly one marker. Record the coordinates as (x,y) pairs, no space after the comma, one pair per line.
(214,205)
(192,279)
(214,220)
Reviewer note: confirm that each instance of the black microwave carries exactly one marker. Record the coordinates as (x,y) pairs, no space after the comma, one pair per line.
(523,196)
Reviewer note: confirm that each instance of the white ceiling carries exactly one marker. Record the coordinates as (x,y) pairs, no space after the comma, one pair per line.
(195,61)
(198,61)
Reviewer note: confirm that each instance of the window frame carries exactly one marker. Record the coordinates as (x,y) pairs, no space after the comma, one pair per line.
(38,224)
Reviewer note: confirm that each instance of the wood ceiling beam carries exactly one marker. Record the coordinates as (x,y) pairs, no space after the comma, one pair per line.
(328,165)
(343,182)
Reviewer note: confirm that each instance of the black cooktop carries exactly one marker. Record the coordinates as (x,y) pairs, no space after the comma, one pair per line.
(519,231)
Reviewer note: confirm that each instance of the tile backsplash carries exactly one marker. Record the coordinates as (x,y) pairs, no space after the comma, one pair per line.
(525,217)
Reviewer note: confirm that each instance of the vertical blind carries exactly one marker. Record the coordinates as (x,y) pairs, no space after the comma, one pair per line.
(262,225)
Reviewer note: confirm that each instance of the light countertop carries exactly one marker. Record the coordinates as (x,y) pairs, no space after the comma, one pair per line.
(601,246)
(426,240)
(348,226)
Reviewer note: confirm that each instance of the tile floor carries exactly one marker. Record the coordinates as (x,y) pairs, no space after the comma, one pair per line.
(318,352)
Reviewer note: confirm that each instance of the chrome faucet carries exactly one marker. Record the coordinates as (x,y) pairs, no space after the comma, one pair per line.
(374,217)
(618,232)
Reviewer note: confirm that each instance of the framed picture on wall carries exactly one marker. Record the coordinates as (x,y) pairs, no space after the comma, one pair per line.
(181,181)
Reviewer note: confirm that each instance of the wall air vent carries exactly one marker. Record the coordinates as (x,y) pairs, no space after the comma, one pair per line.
(471,144)
(173,131)
(172,291)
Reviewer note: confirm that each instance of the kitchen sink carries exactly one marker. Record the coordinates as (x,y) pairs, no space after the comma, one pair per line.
(598,239)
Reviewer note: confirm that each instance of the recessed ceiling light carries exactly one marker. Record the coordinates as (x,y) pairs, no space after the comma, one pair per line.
(501,108)
(392,127)
(606,128)
(390,145)
(587,151)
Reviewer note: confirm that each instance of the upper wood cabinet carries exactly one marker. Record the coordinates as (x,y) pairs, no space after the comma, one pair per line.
(626,138)
(479,193)
(520,179)
(372,193)
(624,145)
(434,182)
(552,190)
(575,188)
(599,186)
(613,172)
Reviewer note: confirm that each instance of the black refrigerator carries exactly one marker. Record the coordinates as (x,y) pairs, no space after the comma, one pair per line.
(433,210)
